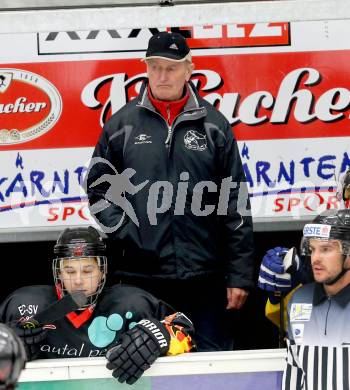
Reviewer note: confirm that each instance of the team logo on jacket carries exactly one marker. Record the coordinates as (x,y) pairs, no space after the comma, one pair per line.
(143,139)
(195,141)
(30,106)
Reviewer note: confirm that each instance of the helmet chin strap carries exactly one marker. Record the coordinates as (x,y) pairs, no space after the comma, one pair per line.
(340,275)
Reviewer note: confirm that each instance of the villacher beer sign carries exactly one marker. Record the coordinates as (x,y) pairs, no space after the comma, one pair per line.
(30,106)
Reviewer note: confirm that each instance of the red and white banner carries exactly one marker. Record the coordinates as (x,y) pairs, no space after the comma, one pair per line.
(283,87)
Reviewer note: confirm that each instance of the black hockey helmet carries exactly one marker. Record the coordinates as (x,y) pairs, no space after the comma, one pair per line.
(12,357)
(80,242)
(328,226)
(76,244)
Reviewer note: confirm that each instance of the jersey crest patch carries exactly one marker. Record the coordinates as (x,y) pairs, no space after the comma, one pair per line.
(300,312)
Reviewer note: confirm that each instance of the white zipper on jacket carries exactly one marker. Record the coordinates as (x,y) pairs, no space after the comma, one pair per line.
(167,141)
(170,129)
(168,138)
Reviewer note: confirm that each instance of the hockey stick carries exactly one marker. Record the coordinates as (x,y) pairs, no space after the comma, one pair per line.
(290,267)
(281,330)
(55,311)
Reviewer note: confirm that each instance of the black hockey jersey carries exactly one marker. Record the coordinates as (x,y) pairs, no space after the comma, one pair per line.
(89,332)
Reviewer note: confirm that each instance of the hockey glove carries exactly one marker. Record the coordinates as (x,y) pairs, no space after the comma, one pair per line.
(181,332)
(138,348)
(279,271)
(32,335)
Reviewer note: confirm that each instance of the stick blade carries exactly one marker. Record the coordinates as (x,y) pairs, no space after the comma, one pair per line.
(61,308)
(79,298)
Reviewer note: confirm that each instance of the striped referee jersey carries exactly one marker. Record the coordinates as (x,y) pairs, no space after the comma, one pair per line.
(318,345)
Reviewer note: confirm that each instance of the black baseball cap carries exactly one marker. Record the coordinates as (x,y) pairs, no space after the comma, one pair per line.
(169,45)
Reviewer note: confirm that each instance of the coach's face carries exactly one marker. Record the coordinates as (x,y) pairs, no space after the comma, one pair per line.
(167,78)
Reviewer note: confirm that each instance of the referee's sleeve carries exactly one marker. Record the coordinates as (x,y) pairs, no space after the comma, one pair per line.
(293,376)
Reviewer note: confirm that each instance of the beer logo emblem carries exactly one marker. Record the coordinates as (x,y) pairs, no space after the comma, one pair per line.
(30,106)
(5,80)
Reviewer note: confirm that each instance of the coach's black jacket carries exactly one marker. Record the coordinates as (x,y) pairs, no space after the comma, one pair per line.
(175,243)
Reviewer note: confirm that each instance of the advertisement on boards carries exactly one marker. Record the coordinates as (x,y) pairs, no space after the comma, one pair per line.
(284,88)
(240,381)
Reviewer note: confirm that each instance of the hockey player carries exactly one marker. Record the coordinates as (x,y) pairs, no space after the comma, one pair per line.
(280,282)
(12,358)
(318,344)
(128,325)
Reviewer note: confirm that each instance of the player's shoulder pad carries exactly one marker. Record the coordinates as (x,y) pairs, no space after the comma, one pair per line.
(43,293)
